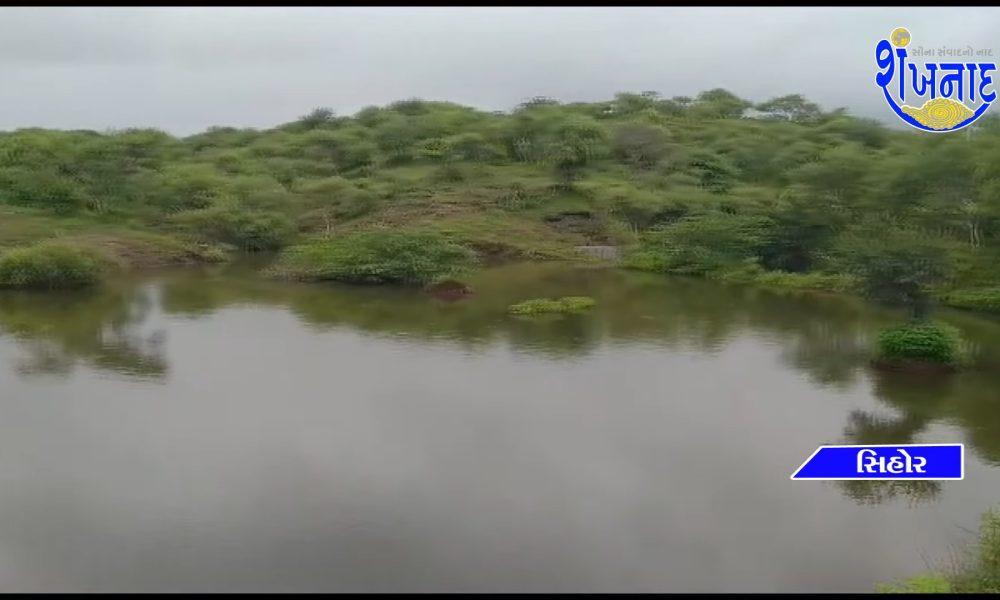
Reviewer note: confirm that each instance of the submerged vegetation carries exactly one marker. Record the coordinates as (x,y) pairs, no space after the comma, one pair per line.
(49,265)
(566,304)
(779,193)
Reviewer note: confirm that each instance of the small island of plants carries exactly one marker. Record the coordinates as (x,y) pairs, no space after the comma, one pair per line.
(920,345)
(537,306)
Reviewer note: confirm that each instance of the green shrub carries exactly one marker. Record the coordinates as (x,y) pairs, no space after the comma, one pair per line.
(472,146)
(376,257)
(567,304)
(645,260)
(747,271)
(42,188)
(895,268)
(448,173)
(924,343)
(714,172)
(184,187)
(49,265)
(701,244)
(337,199)
(251,230)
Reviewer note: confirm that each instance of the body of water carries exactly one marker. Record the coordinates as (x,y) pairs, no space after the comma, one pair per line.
(216,431)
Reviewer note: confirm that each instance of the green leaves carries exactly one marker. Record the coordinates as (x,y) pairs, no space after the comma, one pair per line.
(49,265)
(700,244)
(566,304)
(896,268)
(930,343)
(703,184)
(376,257)
(249,230)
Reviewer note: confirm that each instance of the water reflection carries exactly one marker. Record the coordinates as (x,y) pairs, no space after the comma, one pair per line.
(916,493)
(123,329)
(102,328)
(968,400)
(824,335)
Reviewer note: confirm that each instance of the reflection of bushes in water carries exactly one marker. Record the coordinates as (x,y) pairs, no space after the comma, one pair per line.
(865,428)
(477,320)
(201,294)
(919,396)
(687,312)
(96,326)
(193,301)
(123,357)
(829,353)
(968,400)
(639,306)
(917,400)
(819,335)
(880,492)
(976,407)
(916,411)
(45,359)
(556,336)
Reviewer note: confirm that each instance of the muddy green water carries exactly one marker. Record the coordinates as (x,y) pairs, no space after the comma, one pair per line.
(214,431)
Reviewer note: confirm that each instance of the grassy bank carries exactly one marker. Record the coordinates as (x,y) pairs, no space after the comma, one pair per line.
(49,265)
(124,245)
(376,257)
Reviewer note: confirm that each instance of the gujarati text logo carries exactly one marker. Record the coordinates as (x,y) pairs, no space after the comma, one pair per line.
(939,96)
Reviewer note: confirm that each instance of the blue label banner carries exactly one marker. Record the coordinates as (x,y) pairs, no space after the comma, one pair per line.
(885,461)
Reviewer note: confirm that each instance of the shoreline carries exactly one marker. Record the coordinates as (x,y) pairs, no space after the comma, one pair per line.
(137,251)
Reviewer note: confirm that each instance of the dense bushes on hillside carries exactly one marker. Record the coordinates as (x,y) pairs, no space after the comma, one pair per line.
(686,185)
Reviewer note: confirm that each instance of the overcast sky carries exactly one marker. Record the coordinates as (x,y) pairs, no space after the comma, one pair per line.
(185,69)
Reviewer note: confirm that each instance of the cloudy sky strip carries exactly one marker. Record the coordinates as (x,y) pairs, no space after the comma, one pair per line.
(185,69)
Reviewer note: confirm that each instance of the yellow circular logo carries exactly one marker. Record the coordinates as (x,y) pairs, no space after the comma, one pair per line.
(900,37)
